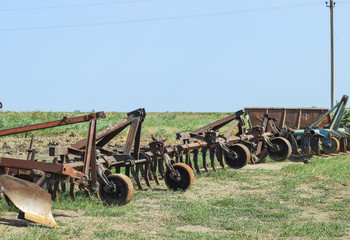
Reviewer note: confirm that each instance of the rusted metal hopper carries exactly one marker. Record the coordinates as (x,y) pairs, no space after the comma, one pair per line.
(296,118)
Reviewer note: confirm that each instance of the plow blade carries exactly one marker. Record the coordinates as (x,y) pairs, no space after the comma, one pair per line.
(28,197)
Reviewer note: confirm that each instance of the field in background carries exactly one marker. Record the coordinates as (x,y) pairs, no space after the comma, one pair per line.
(267,201)
(163,125)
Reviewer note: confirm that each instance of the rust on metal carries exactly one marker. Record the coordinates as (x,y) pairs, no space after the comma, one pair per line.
(64,121)
(296,118)
(28,197)
(43,166)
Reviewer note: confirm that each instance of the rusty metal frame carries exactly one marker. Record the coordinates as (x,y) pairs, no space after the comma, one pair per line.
(63,122)
(129,157)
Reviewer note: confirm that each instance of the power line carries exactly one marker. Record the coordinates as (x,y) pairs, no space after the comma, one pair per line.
(156,19)
(75,5)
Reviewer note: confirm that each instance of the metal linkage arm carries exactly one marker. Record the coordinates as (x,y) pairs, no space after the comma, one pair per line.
(64,121)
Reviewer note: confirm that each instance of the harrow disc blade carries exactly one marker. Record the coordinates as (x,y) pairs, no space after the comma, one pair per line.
(28,197)
(242,158)
(284,149)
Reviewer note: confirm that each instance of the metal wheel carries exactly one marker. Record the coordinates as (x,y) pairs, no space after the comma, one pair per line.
(348,145)
(186,177)
(334,148)
(282,152)
(240,159)
(121,194)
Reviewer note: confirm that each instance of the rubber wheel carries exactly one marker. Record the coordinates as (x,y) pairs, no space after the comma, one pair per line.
(285,149)
(124,190)
(334,148)
(243,155)
(186,177)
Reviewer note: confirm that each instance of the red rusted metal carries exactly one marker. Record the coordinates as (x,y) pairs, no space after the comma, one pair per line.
(235,145)
(295,118)
(63,122)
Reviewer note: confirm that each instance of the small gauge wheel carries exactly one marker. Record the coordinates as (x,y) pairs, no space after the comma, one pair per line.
(121,194)
(242,156)
(334,148)
(284,149)
(186,177)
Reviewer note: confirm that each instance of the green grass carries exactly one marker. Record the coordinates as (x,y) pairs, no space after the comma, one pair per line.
(297,201)
(333,170)
(303,201)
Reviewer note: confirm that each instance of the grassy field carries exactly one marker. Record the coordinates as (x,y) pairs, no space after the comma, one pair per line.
(268,201)
(163,125)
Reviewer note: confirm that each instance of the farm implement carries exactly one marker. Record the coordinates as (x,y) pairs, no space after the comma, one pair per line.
(310,131)
(234,148)
(87,164)
(97,166)
(136,163)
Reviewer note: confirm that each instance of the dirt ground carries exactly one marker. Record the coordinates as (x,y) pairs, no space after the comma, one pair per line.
(152,220)
(203,188)
(18,147)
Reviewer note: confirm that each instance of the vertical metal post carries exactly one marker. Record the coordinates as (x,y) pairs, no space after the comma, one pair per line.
(331,7)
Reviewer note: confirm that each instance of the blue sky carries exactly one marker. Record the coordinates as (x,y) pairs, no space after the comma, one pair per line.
(193,55)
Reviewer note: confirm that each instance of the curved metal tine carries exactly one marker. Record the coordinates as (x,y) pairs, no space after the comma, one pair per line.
(142,170)
(127,171)
(204,156)
(72,191)
(212,158)
(161,167)
(188,160)
(154,169)
(146,173)
(181,156)
(177,157)
(219,157)
(54,194)
(97,194)
(87,193)
(195,160)
(63,187)
(50,188)
(150,174)
(135,174)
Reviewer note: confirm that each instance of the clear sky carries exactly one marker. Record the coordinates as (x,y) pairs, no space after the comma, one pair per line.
(163,55)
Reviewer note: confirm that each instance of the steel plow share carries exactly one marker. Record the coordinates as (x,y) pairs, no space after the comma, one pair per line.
(33,202)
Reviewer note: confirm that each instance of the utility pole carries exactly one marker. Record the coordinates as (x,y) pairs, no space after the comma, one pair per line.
(331,7)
